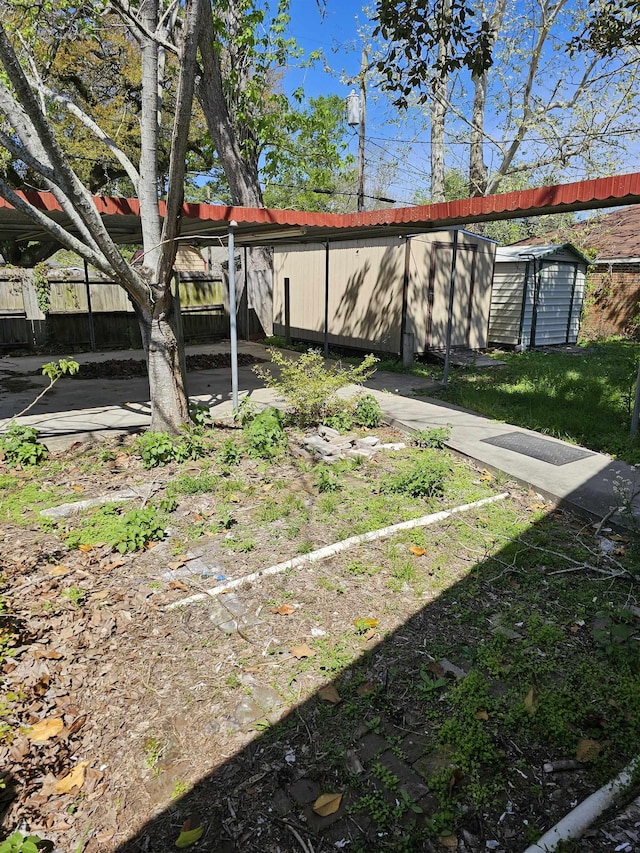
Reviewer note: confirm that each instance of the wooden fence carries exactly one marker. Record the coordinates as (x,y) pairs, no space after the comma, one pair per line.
(79,315)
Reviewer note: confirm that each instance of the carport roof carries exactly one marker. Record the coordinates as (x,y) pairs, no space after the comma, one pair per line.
(204,223)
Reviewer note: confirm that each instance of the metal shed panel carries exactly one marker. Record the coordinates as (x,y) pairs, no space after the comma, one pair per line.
(506,303)
(551,281)
(366,291)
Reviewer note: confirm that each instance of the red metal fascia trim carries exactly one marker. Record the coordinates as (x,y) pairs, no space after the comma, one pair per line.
(619,187)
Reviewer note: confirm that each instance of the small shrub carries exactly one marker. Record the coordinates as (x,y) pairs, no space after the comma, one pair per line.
(367,412)
(326,480)
(160,448)
(230,452)
(264,435)
(200,414)
(310,387)
(20,446)
(18,843)
(155,448)
(342,421)
(424,478)
(435,437)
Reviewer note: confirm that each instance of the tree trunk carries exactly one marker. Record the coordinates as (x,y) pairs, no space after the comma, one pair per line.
(169,403)
(240,170)
(438,111)
(477,168)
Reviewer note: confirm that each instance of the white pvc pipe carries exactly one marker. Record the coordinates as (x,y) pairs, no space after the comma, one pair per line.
(336,548)
(576,823)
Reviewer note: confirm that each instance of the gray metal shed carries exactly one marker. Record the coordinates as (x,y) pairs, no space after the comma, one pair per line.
(537,295)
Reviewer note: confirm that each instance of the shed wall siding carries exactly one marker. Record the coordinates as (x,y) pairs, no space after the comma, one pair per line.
(366,282)
(552,302)
(506,303)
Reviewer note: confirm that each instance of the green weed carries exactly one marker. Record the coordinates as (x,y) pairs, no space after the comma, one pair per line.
(125,531)
(20,446)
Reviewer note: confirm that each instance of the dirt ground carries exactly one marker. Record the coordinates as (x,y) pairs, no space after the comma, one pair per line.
(230,717)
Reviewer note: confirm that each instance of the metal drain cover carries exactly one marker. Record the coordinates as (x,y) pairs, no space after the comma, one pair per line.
(538,448)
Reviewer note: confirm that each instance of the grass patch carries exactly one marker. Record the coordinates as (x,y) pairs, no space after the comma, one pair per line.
(21,499)
(586,399)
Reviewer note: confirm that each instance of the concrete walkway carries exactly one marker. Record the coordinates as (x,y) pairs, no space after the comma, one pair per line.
(78,410)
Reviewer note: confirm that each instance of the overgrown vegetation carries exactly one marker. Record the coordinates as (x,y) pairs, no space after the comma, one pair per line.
(310,387)
(20,446)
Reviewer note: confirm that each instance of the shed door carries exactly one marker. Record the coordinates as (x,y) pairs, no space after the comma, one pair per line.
(553,303)
(438,290)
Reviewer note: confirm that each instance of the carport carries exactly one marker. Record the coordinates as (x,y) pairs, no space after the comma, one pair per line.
(238,226)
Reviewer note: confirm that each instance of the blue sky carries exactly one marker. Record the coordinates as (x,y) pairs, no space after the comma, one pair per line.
(337,34)
(400,141)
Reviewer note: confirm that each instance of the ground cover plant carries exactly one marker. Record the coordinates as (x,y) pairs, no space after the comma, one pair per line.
(403,695)
(583,396)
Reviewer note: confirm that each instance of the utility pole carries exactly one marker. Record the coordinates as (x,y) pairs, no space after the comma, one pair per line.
(356,117)
(363,115)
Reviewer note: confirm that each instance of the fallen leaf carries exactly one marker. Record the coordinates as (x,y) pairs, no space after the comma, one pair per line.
(197,517)
(45,730)
(436,669)
(284,610)
(177,564)
(56,571)
(418,552)
(587,750)
(114,564)
(189,836)
(371,633)
(85,548)
(100,596)
(531,701)
(77,488)
(366,688)
(72,780)
(47,654)
(364,624)
(449,842)
(178,585)
(77,724)
(302,651)
(267,487)
(487,476)
(329,694)
(482,715)
(327,804)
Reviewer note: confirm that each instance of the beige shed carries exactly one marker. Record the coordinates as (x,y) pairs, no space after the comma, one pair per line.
(387,294)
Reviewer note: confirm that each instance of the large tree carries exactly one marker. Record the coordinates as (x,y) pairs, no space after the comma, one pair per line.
(27,109)
(499,78)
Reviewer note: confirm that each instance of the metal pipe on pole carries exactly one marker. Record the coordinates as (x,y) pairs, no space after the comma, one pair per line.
(233,326)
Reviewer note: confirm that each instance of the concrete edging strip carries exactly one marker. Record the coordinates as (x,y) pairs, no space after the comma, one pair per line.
(336,548)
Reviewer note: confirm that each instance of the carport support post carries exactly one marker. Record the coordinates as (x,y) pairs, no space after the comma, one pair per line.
(233,327)
(287,312)
(636,406)
(326,300)
(452,285)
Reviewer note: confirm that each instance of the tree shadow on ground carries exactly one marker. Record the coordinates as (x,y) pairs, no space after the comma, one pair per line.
(491,654)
